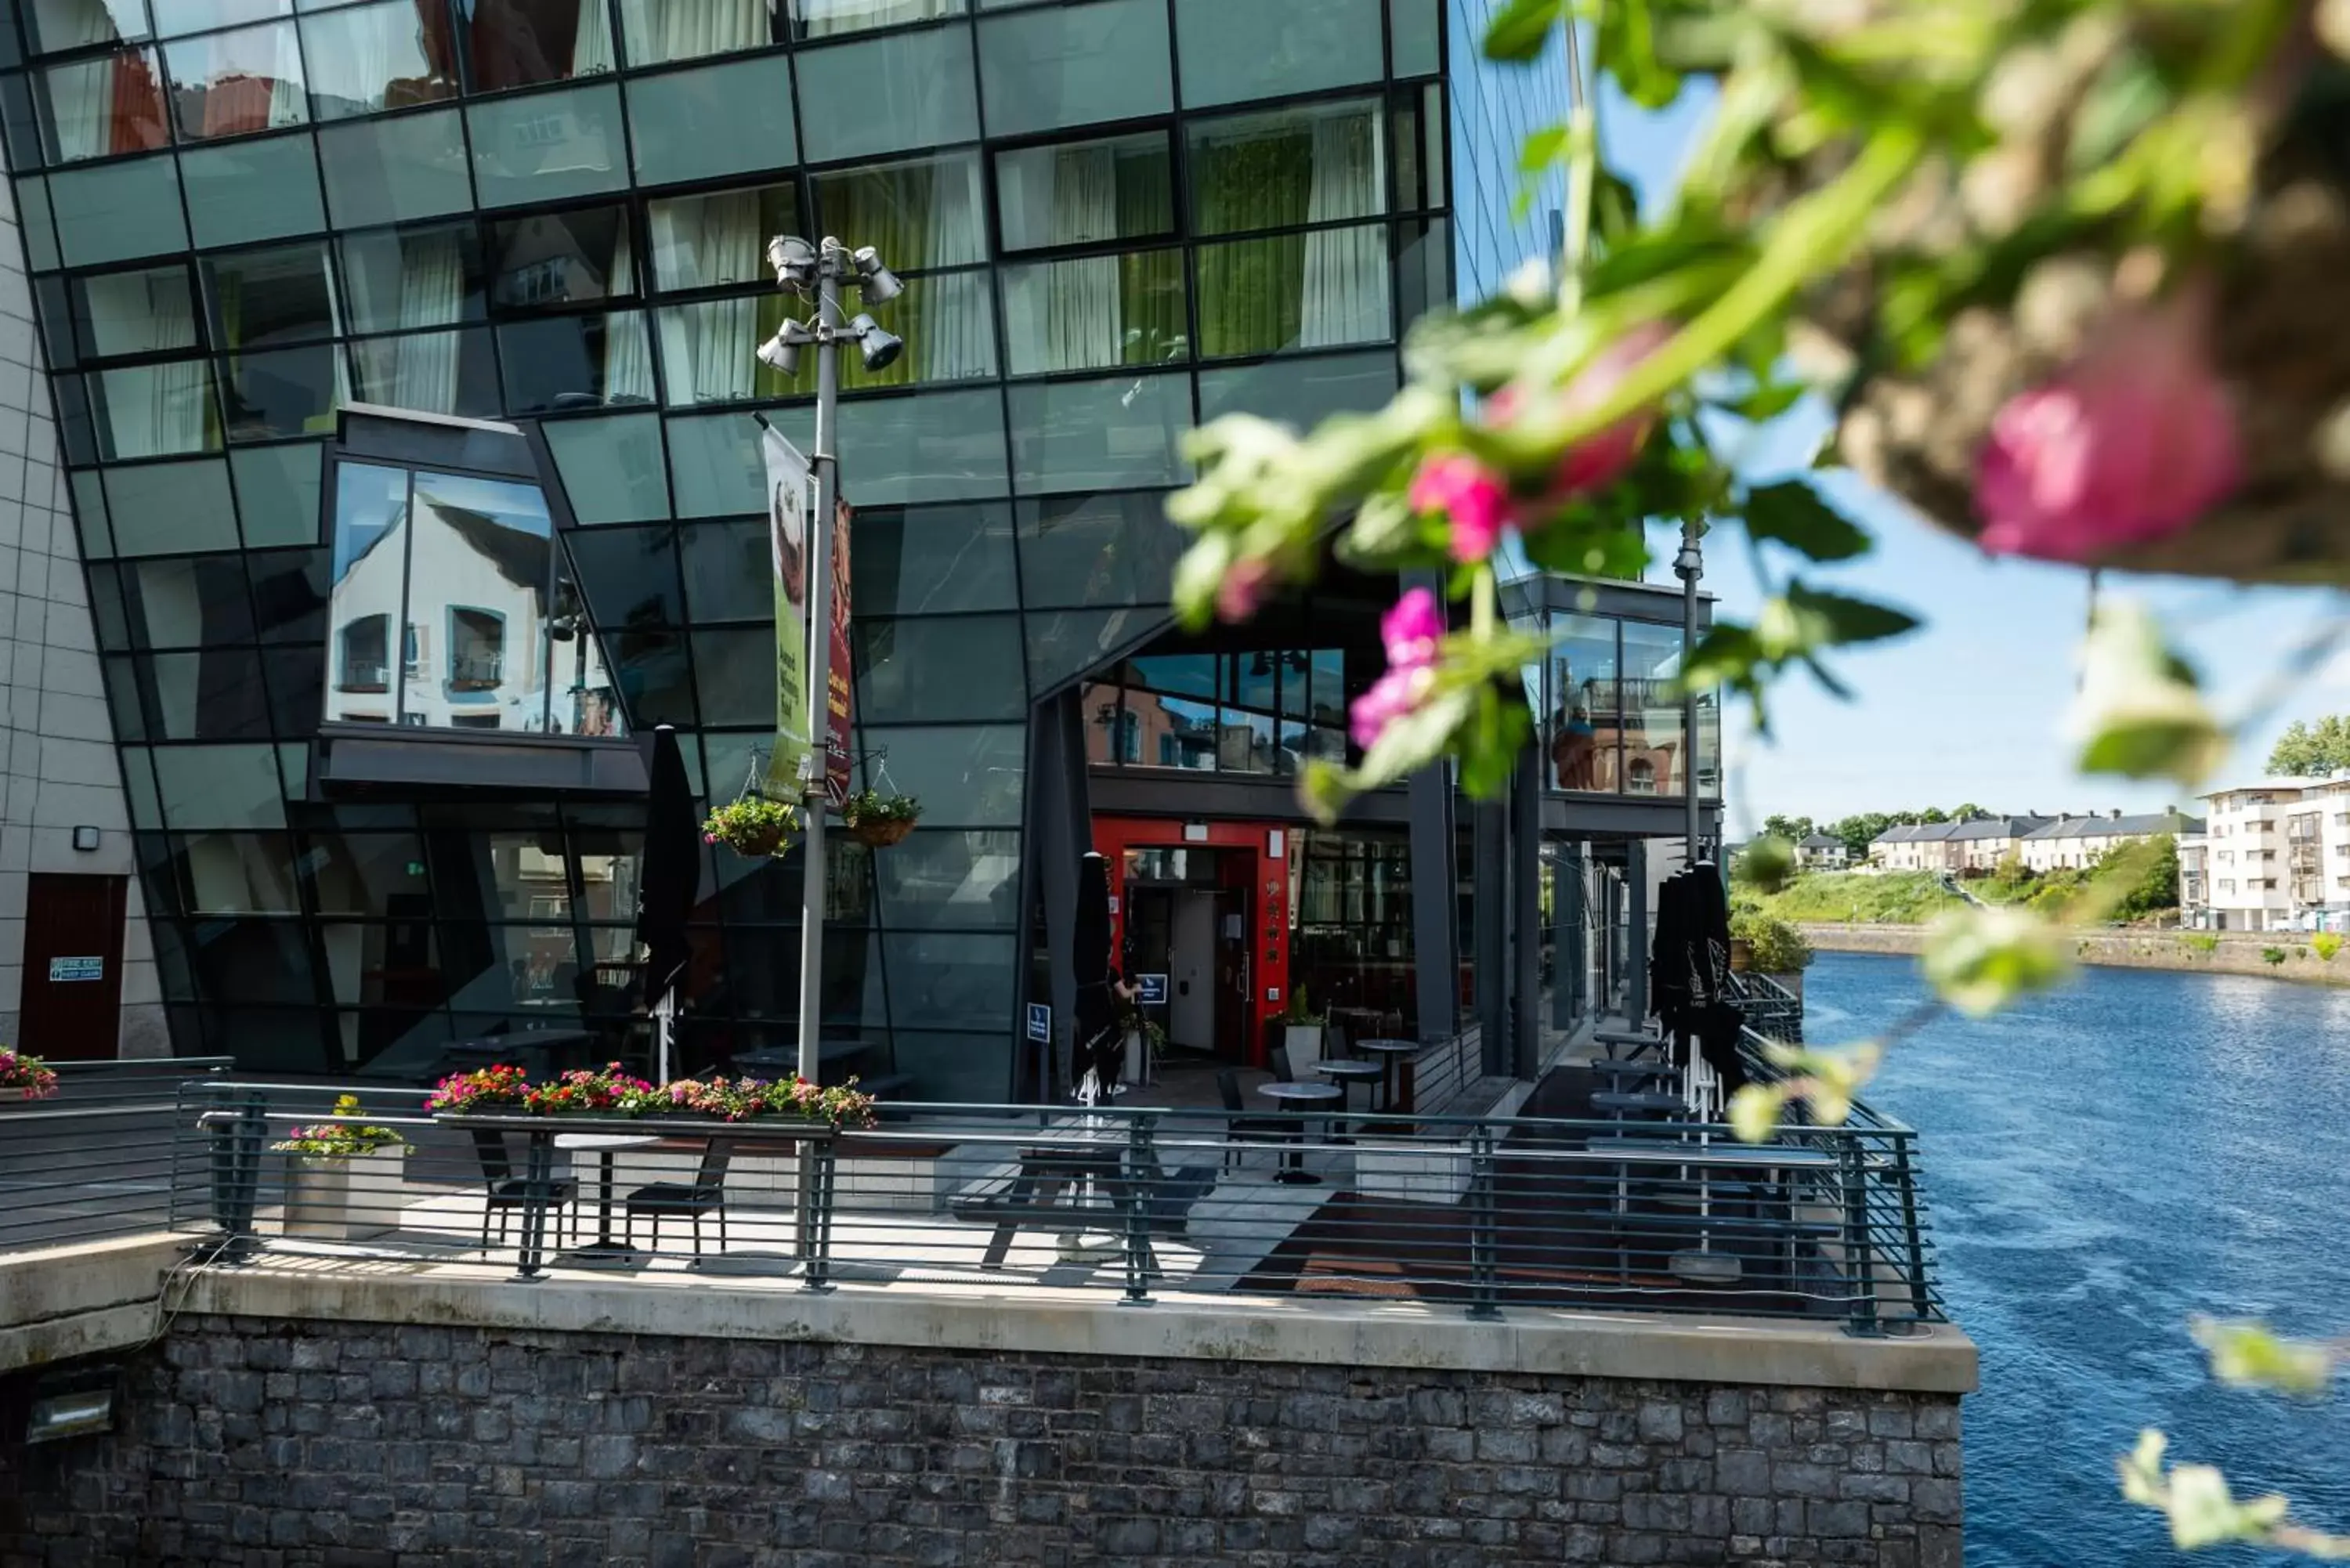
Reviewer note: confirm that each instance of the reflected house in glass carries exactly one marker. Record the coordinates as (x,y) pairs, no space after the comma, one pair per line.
(376,697)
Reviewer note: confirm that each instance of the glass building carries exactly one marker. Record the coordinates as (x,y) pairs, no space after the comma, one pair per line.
(243,218)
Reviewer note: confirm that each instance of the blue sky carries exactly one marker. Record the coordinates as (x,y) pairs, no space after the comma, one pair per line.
(1972,707)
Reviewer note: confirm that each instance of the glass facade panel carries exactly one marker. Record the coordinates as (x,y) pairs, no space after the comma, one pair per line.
(824,18)
(887,95)
(1118,434)
(1323,289)
(246,191)
(234,84)
(1095,312)
(117,212)
(1235,49)
(916,670)
(289,392)
(719,238)
(718,119)
(402,279)
(277,493)
(54,25)
(1415,37)
(105,107)
(173,18)
(1094,550)
(219,787)
(369,58)
(715,466)
(155,410)
(1085,193)
(941,446)
(575,362)
(921,213)
(966,775)
(735,673)
(940,980)
(611,468)
(185,602)
(660,30)
(1300,392)
(929,560)
(393,170)
(543,147)
(960,881)
(1654,749)
(1586,725)
(433,372)
(1313,163)
(1074,65)
(168,507)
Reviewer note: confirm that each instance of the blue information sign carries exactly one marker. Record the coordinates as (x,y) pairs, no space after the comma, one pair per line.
(63,969)
(1153,988)
(1040,1023)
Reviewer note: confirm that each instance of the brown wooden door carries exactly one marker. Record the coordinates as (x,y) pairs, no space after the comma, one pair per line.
(73,966)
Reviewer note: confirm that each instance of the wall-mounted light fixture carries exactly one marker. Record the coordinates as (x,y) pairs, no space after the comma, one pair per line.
(84,838)
(71,1404)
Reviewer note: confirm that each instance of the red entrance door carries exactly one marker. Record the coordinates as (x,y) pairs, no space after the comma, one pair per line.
(73,966)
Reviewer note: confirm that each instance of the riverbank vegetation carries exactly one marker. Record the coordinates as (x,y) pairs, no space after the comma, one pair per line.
(2135,885)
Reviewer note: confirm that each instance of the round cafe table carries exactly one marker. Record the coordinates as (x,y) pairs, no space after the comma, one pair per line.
(1391,1055)
(1348,1073)
(1293,1171)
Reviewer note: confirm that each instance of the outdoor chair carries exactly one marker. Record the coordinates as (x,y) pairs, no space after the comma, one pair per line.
(504,1193)
(1277,1058)
(706,1193)
(1245,1130)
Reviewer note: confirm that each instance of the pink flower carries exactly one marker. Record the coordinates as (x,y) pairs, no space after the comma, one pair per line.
(1467,492)
(1411,632)
(1412,629)
(1598,460)
(1392,696)
(2132,443)
(1242,589)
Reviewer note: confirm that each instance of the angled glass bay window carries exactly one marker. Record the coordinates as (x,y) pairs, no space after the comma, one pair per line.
(660,30)
(54,24)
(100,108)
(512,44)
(233,84)
(367,58)
(452,607)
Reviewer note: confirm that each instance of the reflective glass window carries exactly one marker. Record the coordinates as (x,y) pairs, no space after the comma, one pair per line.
(173,18)
(716,119)
(432,372)
(1074,65)
(155,410)
(289,591)
(931,668)
(943,981)
(655,681)
(1585,728)
(186,602)
(1063,644)
(660,30)
(367,58)
(263,189)
(737,672)
(1313,163)
(283,392)
(104,107)
(265,299)
(715,468)
(1095,312)
(374,874)
(164,508)
(575,362)
(512,44)
(611,468)
(277,493)
(233,874)
(957,880)
(709,351)
(1300,392)
(719,238)
(728,573)
(546,146)
(945,325)
(1655,752)
(941,446)
(920,214)
(1232,50)
(883,95)
(296,685)
(1085,193)
(966,775)
(115,212)
(824,18)
(54,24)
(551,259)
(212,695)
(1084,551)
(401,279)
(366,600)
(931,560)
(393,170)
(150,311)
(233,84)
(223,787)
(1415,30)
(628,576)
(1118,434)
(1317,290)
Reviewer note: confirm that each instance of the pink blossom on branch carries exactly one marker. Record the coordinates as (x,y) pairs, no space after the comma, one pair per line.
(1472,496)
(1242,589)
(2132,443)
(1412,633)
(1601,458)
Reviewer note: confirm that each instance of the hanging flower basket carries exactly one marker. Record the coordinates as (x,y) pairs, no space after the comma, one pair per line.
(879,820)
(752,827)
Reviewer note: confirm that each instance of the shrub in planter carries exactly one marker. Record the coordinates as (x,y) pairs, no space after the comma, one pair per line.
(1773,946)
(753,826)
(336,1188)
(341,1140)
(24,1077)
(877,819)
(741,1099)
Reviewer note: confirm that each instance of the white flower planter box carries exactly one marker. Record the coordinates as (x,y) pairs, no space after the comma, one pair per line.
(338,1200)
(1413,1172)
(1303,1045)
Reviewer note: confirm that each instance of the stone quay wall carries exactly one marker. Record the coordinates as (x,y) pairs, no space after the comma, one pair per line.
(2215,952)
(274,1443)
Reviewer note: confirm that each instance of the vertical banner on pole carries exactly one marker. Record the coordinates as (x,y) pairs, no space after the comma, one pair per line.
(790,507)
(837,753)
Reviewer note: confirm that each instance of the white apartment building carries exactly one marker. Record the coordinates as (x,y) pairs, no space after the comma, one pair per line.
(2275,856)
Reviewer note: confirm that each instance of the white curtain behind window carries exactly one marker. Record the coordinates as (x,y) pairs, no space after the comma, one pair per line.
(662,30)
(591,45)
(706,349)
(628,359)
(1344,297)
(1083,326)
(821,18)
(421,372)
(152,409)
(954,326)
(81,104)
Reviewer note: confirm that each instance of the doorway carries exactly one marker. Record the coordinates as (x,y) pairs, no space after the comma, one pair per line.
(73,966)
(1182,921)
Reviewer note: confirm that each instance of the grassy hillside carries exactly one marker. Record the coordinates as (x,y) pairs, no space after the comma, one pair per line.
(1898,898)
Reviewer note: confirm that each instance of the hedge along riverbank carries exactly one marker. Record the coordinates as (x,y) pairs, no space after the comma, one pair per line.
(2302,955)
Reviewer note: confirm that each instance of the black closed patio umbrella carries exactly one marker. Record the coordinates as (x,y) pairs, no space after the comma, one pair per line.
(668,884)
(1098,1051)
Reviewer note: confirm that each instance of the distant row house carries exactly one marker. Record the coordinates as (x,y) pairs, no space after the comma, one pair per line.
(2275,856)
(1978,846)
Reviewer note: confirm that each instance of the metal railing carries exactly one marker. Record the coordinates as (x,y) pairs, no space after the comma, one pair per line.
(1772,1009)
(96,1159)
(1134,1202)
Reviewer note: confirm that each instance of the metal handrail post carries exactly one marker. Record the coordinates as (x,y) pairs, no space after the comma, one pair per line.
(1858,1272)
(1484,1245)
(1141,1160)
(538,1195)
(1912,1236)
(820,1164)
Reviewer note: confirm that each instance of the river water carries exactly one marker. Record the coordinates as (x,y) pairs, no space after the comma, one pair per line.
(2103,1162)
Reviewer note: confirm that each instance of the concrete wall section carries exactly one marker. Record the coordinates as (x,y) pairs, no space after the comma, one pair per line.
(250,1440)
(56,744)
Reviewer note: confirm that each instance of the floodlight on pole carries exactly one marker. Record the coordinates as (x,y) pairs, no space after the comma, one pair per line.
(876,345)
(782,351)
(877,283)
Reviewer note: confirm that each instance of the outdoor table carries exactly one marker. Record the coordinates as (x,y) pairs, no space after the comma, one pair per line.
(1703,1266)
(1075,1157)
(1293,1172)
(1348,1073)
(604,1146)
(1392,1055)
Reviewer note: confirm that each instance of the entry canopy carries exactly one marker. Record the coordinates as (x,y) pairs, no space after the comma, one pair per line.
(459,648)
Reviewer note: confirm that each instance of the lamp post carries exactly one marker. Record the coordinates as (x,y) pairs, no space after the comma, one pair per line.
(823,268)
(1689,566)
